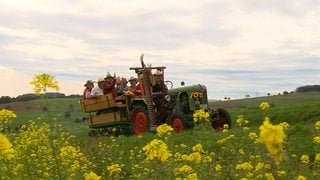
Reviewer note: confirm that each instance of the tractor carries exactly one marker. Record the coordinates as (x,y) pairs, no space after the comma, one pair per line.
(144,112)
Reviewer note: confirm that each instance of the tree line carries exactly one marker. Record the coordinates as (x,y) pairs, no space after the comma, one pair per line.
(33,96)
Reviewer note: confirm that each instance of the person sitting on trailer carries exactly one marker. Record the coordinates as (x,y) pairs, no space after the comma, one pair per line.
(88,88)
(97,90)
(109,84)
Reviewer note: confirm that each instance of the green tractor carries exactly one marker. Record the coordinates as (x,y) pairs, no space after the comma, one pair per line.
(146,111)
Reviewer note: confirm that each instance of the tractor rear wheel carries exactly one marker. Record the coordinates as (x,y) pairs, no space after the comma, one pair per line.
(140,121)
(178,122)
(220,119)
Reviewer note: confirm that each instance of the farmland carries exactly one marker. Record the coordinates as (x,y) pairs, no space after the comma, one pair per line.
(55,144)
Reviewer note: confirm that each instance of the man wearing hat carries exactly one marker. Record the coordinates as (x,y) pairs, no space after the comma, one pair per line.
(158,87)
(134,86)
(88,88)
(109,84)
(97,90)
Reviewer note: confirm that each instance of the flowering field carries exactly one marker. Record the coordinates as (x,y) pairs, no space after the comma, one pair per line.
(42,150)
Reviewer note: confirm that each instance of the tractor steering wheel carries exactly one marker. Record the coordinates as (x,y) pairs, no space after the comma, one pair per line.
(169,84)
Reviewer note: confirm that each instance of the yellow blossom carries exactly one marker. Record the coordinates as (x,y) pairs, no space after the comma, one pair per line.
(114,169)
(316,139)
(285,125)
(252,135)
(317,125)
(273,137)
(264,105)
(164,130)
(244,166)
(6,149)
(301,178)
(157,149)
(317,157)
(305,159)
(217,167)
(197,148)
(201,116)
(269,176)
(91,176)
(281,173)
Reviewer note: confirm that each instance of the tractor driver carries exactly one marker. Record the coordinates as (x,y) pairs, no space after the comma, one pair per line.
(157,88)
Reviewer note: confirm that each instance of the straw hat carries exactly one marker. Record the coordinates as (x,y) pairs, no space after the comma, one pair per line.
(132,78)
(100,79)
(108,76)
(88,83)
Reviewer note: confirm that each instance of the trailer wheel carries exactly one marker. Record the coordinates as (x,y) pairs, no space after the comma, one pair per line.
(178,122)
(220,119)
(140,120)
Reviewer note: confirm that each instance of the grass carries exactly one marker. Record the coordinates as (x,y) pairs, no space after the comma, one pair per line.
(124,157)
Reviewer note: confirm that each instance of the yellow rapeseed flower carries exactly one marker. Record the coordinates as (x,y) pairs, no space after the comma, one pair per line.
(317,125)
(91,176)
(269,176)
(316,139)
(317,157)
(5,118)
(301,178)
(281,173)
(197,148)
(157,149)
(264,105)
(114,169)
(218,167)
(201,116)
(244,166)
(273,137)
(164,130)
(253,135)
(305,159)
(6,150)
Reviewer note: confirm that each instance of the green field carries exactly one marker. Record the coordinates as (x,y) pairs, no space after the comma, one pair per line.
(63,150)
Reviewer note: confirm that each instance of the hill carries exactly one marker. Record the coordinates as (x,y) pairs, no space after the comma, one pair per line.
(293,108)
(277,100)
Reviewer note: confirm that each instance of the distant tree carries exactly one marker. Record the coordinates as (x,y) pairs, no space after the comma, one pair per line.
(285,92)
(268,94)
(5,99)
(27,97)
(308,88)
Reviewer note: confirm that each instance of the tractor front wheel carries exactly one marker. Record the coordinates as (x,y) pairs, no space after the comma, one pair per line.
(140,120)
(221,118)
(178,122)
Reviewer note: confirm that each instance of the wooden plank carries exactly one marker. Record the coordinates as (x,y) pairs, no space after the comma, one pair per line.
(99,103)
(106,118)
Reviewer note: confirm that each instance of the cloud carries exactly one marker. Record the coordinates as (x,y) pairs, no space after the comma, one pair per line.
(233,47)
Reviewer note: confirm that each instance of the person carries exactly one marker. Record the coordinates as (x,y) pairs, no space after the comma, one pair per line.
(97,90)
(124,83)
(119,87)
(109,84)
(136,89)
(88,88)
(158,88)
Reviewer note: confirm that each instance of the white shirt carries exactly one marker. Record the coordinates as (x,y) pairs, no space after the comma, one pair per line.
(96,91)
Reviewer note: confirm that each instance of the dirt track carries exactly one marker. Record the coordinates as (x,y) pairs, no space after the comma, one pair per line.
(19,106)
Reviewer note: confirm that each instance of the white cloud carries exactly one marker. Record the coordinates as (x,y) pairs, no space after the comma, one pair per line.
(233,47)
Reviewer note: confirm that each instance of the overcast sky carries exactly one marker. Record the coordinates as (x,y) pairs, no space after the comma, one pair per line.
(235,48)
